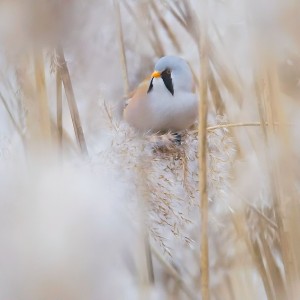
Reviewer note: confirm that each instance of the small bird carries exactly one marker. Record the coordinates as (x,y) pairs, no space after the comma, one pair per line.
(167,102)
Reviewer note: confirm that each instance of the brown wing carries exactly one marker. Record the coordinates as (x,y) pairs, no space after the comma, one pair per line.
(145,81)
(139,93)
(136,109)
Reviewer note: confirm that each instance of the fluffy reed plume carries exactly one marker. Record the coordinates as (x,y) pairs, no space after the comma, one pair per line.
(92,210)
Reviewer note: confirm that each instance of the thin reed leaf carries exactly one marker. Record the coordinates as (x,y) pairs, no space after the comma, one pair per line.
(164,25)
(202,156)
(66,79)
(41,96)
(59,115)
(123,59)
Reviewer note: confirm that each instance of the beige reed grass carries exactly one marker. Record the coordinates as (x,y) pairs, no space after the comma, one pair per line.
(66,80)
(202,156)
(59,112)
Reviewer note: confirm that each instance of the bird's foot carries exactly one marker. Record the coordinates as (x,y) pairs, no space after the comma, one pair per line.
(168,141)
(177,138)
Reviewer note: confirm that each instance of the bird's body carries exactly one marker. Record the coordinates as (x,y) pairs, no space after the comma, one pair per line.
(167,102)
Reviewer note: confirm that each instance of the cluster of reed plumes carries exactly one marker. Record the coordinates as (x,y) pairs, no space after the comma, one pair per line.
(91,210)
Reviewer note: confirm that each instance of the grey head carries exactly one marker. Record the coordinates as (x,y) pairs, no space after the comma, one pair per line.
(175,73)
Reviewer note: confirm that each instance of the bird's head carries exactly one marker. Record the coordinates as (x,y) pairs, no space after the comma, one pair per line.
(175,73)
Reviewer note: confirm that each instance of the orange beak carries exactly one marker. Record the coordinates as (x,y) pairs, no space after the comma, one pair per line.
(155,74)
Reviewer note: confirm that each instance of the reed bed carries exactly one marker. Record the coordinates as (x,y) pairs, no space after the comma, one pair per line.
(91,210)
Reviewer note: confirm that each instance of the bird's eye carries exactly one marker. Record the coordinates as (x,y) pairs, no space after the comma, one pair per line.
(168,71)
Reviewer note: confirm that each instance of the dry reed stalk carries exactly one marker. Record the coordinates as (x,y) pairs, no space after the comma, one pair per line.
(14,122)
(224,72)
(33,135)
(238,284)
(145,33)
(274,270)
(260,103)
(144,262)
(240,224)
(144,255)
(290,205)
(148,254)
(202,137)
(164,24)
(277,191)
(292,223)
(123,59)
(225,51)
(232,125)
(66,79)
(215,94)
(158,46)
(173,272)
(190,18)
(280,167)
(68,142)
(223,290)
(263,217)
(265,275)
(177,16)
(59,120)
(41,97)
(231,81)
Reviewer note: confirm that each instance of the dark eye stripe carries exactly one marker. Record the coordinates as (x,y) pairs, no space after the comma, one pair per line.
(150,86)
(166,77)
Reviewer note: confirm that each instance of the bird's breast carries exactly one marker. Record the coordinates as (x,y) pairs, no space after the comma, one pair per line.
(160,110)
